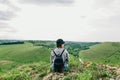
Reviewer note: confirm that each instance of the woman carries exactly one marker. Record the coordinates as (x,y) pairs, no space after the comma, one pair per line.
(57,52)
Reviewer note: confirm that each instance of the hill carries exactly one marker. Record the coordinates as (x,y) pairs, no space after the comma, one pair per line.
(14,55)
(107,52)
(73,47)
(76,71)
(29,61)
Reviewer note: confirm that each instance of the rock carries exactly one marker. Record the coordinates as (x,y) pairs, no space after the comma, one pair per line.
(88,64)
(113,68)
(112,79)
(100,79)
(48,76)
(118,71)
(54,76)
(107,67)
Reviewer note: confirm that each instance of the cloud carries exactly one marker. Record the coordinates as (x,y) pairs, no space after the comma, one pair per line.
(106,3)
(10,36)
(6,15)
(5,28)
(86,20)
(104,19)
(6,31)
(10,4)
(47,1)
(106,14)
(7,10)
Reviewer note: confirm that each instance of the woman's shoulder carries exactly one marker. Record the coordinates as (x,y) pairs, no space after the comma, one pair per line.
(65,49)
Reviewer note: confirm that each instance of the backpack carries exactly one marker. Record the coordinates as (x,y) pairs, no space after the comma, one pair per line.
(58,62)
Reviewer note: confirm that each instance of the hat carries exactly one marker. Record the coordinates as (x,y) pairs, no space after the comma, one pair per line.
(60,41)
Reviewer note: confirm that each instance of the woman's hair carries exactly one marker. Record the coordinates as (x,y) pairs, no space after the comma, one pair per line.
(59,43)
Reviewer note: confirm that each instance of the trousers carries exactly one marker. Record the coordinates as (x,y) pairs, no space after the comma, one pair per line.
(65,67)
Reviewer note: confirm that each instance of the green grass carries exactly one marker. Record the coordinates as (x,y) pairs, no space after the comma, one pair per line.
(76,71)
(31,71)
(107,52)
(19,54)
(28,62)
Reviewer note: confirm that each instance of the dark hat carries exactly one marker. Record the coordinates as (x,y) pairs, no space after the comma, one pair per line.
(60,41)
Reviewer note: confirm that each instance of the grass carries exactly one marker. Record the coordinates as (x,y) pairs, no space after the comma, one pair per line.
(20,54)
(36,71)
(28,62)
(106,52)
(27,72)
(76,71)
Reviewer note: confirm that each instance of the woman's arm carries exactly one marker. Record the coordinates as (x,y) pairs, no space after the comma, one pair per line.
(51,57)
(67,56)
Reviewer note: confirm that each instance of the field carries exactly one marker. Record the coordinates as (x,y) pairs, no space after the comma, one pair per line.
(31,61)
(18,54)
(107,53)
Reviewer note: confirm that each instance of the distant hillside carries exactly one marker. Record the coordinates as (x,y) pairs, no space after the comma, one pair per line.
(13,55)
(8,42)
(107,52)
(73,47)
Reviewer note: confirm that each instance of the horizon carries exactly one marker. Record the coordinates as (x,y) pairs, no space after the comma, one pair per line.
(71,20)
(55,40)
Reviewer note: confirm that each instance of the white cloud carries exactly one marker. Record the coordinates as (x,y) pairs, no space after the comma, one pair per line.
(38,2)
(8,11)
(83,20)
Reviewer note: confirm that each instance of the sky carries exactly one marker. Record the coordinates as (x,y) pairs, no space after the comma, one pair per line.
(71,20)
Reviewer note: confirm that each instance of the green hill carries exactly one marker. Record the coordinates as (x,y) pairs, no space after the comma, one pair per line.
(30,62)
(76,71)
(14,55)
(107,52)
(39,71)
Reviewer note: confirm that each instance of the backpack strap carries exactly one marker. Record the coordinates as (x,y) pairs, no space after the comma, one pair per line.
(61,53)
(55,53)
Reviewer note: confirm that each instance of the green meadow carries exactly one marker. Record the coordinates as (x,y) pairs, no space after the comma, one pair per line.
(31,61)
(14,55)
(107,53)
